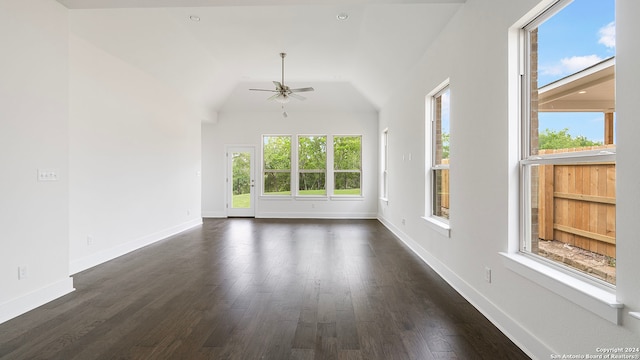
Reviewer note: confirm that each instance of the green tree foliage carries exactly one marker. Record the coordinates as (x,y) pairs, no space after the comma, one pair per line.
(445,145)
(552,139)
(346,152)
(241,163)
(312,152)
(277,152)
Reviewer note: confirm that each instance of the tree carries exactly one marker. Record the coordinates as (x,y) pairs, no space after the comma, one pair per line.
(445,145)
(561,139)
(241,173)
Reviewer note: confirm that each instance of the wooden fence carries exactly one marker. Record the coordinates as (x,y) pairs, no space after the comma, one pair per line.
(577,205)
(445,186)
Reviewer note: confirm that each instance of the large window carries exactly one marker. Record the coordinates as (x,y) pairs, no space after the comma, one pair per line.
(347,164)
(440,136)
(568,162)
(276,153)
(312,165)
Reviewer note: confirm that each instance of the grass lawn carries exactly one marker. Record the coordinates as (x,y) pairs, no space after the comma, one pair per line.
(346,192)
(242,201)
(278,193)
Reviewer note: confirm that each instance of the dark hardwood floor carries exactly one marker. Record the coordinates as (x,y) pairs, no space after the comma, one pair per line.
(261,289)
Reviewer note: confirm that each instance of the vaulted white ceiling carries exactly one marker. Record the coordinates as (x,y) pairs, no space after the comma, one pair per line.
(353,64)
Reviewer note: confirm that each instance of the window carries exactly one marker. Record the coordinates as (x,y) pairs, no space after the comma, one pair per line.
(347,164)
(440,136)
(312,165)
(276,154)
(568,162)
(385,164)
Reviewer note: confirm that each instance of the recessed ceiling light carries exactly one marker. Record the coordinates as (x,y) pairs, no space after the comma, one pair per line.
(342,16)
(194,18)
(582,92)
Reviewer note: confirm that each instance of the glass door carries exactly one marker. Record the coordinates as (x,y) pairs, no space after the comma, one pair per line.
(240,181)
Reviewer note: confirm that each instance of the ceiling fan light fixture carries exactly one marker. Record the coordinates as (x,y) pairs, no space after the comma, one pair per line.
(282,98)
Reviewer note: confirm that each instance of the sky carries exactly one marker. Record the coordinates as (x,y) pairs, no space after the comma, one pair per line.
(580,35)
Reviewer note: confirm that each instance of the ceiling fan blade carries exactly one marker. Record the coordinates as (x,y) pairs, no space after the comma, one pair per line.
(278,85)
(264,90)
(273,97)
(302,89)
(296,96)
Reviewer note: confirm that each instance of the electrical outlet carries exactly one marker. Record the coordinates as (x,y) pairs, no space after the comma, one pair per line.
(23,273)
(89,240)
(404,222)
(487,275)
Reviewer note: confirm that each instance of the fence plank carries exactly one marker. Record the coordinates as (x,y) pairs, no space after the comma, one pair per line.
(586,198)
(545,202)
(587,234)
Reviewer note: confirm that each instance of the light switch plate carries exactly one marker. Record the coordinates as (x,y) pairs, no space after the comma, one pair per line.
(47,175)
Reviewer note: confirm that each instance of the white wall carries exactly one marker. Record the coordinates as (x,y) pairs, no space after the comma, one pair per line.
(33,135)
(134,157)
(247,129)
(473,51)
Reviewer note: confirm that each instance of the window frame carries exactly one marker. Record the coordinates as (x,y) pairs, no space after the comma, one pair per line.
(589,293)
(264,170)
(438,223)
(384,159)
(311,171)
(334,170)
(528,159)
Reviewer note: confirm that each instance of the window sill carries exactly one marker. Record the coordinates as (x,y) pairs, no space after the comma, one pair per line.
(593,298)
(312,197)
(347,197)
(276,197)
(439,226)
(385,200)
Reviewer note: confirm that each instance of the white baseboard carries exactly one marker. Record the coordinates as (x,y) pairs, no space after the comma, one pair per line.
(524,339)
(315,215)
(213,214)
(27,302)
(98,258)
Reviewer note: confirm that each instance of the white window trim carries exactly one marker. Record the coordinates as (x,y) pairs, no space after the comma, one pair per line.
(385,166)
(334,196)
(329,147)
(587,293)
(263,170)
(437,223)
(598,300)
(439,226)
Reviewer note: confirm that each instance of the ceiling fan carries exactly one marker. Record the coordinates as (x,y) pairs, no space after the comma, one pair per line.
(282,92)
